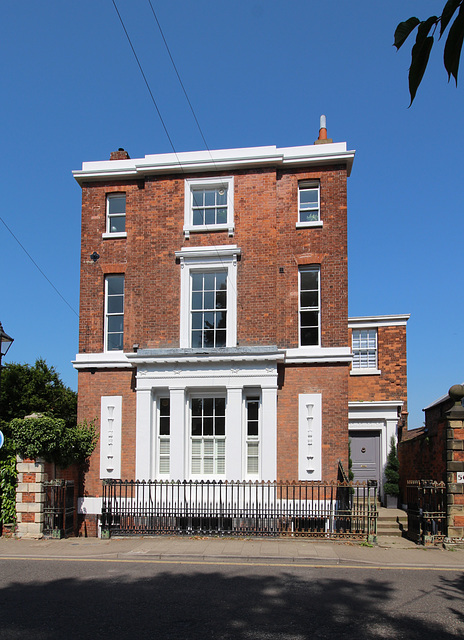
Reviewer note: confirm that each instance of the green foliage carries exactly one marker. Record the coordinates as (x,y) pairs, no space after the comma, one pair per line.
(350,463)
(391,487)
(425,39)
(53,440)
(38,388)
(7,485)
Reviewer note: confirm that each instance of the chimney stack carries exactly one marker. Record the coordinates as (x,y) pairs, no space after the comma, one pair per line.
(323,139)
(120,154)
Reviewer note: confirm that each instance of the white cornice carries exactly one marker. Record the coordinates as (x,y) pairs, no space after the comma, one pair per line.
(215,160)
(110,360)
(365,322)
(317,355)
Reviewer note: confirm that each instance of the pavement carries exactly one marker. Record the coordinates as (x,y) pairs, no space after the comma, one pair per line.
(389,552)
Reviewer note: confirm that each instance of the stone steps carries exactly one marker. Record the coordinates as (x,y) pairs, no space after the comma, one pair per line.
(391,522)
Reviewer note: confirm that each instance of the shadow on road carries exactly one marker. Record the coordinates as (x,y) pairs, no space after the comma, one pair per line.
(108,602)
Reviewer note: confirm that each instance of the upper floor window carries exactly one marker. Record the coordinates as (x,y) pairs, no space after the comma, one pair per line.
(309,305)
(116,214)
(209,309)
(309,205)
(208,296)
(114,313)
(164,435)
(209,205)
(364,347)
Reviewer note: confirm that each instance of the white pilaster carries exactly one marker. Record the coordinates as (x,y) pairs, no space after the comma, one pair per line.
(268,440)
(144,435)
(234,434)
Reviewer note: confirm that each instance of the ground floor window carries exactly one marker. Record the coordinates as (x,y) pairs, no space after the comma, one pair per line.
(164,435)
(207,431)
(252,435)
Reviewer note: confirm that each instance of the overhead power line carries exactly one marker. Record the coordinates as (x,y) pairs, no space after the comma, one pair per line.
(39,269)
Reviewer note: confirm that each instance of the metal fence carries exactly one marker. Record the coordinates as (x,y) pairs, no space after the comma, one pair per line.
(59,508)
(426,510)
(337,510)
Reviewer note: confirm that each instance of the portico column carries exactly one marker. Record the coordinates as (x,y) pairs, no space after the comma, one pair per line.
(268,438)
(179,435)
(144,435)
(234,430)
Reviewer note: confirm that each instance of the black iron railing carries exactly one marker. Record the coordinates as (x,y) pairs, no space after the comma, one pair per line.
(426,510)
(239,508)
(59,508)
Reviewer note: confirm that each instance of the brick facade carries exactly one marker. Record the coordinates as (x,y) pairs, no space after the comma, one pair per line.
(262,252)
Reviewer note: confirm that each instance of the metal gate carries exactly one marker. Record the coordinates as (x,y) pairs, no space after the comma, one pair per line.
(426,510)
(59,508)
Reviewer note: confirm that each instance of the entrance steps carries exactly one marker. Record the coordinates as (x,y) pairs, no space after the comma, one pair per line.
(392,522)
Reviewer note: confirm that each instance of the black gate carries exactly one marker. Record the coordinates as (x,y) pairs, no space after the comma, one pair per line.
(426,510)
(59,508)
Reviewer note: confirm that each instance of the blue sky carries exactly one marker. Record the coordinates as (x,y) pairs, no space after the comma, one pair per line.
(257,73)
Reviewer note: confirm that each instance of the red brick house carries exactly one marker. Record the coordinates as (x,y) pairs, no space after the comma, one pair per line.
(214,339)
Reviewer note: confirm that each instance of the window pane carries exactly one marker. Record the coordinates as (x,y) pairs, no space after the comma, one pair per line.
(309,299)
(309,196)
(198,216)
(309,336)
(209,281)
(164,426)
(197,406)
(220,300)
(197,198)
(117,204)
(208,406)
(115,324)
(115,284)
(210,216)
(115,342)
(116,304)
(221,216)
(197,337)
(197,282)
(309,319)
(309,280)
(209,300)
(220,406)
(210,197)
(222,197)
(309,216)
(252,410)
(196,426)
(220,426)
(197,300)
(221,280)
(220,338)
(208,426)
(117,224)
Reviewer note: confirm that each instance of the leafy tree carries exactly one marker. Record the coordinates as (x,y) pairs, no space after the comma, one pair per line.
(38,388)
(53,440)
(392,487)
(425,38)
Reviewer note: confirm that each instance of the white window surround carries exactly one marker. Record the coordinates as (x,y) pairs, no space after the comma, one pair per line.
(114,310)
(117,216)
(191,184)
(309,305)
(370,351)
(312,185)
(223,257)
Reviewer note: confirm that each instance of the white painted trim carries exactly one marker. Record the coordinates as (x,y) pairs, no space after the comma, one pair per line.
(216,160)
(367,322)
(310,436)
(190,185)
(314,224)
(318,354)
(113,236)
(110,437)
(106,360)
(365,372)
(204,259)
(89,506)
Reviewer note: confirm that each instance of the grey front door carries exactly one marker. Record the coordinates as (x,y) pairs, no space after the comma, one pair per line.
(365,454)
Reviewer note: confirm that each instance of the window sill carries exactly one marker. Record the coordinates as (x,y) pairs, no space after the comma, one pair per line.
(209,229)
(315,224)
(365,372)
(120,234)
